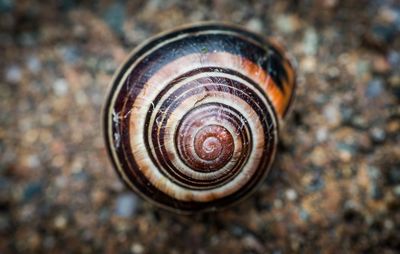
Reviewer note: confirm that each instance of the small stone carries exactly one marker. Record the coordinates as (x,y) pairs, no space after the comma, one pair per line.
(98,196)
(383,33)
(394,58)
(66,5)
(387,15)
(378,135)
(373,173)
(316,183)
(394,82)
(237,230)
(5,190)
(375,191)
(6,5)
(137,248)
(33,161)
(322,134)
(255,25)
(60,222)
(396,190)
(359,121)
(291,194)
(5,184)
(318,156)
(308,64)
(5,222)
(13,74)
(346,113)
(49,242)
(252,243)
(104,215)
(32,190)
(287,23)
(333,72)
(381,65)
(60,87)
(375,88)
(362,68)
(332,114)
(70,54)
(388,223)
(28,39)
(126,205)
(329,4)
(278,203)
(34,64)
(115,16)
(304,215)
(310,42)
(393,176)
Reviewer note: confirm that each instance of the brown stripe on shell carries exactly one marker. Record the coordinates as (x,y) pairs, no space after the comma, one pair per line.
(147,161)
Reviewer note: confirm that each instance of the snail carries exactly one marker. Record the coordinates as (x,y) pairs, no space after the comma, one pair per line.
(191,118)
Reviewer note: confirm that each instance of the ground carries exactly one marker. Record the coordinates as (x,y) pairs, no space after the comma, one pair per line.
(335,184)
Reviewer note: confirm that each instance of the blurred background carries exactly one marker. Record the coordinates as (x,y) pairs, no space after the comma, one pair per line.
(335,186)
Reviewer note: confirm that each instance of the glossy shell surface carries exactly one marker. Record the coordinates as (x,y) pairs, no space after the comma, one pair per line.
(191,119)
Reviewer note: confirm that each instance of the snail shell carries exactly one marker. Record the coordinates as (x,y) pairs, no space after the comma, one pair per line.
(191,119)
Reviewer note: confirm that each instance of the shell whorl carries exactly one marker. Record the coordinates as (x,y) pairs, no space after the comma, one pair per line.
(191,120)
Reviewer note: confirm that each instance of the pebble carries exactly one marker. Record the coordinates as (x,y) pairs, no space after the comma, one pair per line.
(332,114)
(13,74)
(6,5)
(308,64)
(316,183)
(28,39)
(378,135)
(388,224)
(32,190)
(70,54)
(347,113)
(252,243)
(104,215)
(115,16)
(374,88)
(394,175)
(287,23)
(60,222)
(381,65)
(310,42)
(394,82)
(49,242)
(278,203)
(5,184)
(374,172)
(5,222)
(60,87)
(126,205)
(291,194)
(322,134)
(304,215)
(383,33)
(346,151)
(238,230)
(255,25)
(394,58)
(396,190)
(375,191)
(34,65)
(33,161)
(137,248)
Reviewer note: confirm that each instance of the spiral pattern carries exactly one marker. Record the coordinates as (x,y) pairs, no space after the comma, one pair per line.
(191,120)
